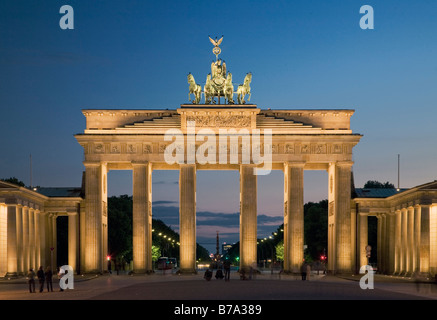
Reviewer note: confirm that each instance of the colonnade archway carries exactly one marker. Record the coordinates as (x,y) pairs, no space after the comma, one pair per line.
(296,141)
(142,215)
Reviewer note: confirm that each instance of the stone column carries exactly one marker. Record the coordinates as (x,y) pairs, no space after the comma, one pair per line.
(187,217)
(43,236)
(424,252)
(72,240)
(417,218)
(25,223)
(293,216)
(391,248)
(404,245)
(12,241)
(248,217)
(354,237)
(339,233)
(410,241)
(142,217)
(82,236)
(95,200)
(363,239)
(37,239)
(32,261)
(20,256)
(398,243)
(386,243)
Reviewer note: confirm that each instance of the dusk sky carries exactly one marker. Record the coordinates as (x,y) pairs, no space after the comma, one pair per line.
(137,54)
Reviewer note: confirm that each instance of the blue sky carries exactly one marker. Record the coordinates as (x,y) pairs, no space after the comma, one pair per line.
(136,54)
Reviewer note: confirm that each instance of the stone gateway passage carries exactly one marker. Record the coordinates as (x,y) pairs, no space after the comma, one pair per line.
(288,140)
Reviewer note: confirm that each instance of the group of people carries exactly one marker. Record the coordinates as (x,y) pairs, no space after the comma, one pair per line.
(44,276)
(219,273)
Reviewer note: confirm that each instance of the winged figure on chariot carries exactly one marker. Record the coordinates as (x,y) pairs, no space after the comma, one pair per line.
(219,82)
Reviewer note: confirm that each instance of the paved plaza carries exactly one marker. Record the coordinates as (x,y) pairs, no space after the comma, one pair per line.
(194,287)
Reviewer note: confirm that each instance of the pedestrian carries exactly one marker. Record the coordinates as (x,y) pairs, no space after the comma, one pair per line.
(303,270)
(227,268)
(49,276)
(243,274)
(59,277)
(308,271)
(208,275)
(219,274)
(41,278)
(31,280)
(109,266)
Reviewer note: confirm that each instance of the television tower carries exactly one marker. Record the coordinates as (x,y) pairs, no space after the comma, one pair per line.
(217,254)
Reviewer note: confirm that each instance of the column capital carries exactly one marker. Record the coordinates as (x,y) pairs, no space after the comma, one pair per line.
(187,165)
(344,163)
(140,163)
(92,163)
(294,164)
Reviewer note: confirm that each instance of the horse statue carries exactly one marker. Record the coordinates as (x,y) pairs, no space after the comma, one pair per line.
(229,89)
(195,89)
(208,90)
(244,89)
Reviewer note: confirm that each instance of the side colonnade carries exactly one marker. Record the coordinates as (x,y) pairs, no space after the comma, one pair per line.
(28,233)
(406,232)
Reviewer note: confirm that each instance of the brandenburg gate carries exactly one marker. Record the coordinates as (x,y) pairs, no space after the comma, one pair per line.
(218,134)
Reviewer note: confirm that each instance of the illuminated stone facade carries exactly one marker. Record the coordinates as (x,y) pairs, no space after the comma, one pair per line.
(300,140)
(28,227)
(406,229)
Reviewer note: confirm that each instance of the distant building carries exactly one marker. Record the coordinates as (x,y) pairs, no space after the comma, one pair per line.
(225,248)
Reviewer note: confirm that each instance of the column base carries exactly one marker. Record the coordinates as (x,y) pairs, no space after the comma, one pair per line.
(140,271)
(12,275)
(93,272)
(340,272)
(186,271)
(291,273)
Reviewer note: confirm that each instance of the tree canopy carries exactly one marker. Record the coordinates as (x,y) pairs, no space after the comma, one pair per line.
(376,184)
(14,181)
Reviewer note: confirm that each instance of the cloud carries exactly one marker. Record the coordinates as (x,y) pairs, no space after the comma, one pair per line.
(161,202)
(208,223)
(165,182)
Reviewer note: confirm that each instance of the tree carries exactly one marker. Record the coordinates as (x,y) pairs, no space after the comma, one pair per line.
(156,253)
(280,251)
(14,181)
(316,228)
(164,239)
(120,228)
(376,184)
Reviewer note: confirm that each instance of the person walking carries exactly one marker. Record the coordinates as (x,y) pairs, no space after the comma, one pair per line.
(31,280)
(49,276)
(308,272)
(227,268)
(303,270)
(208,275)
(59,277)
(41,278)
